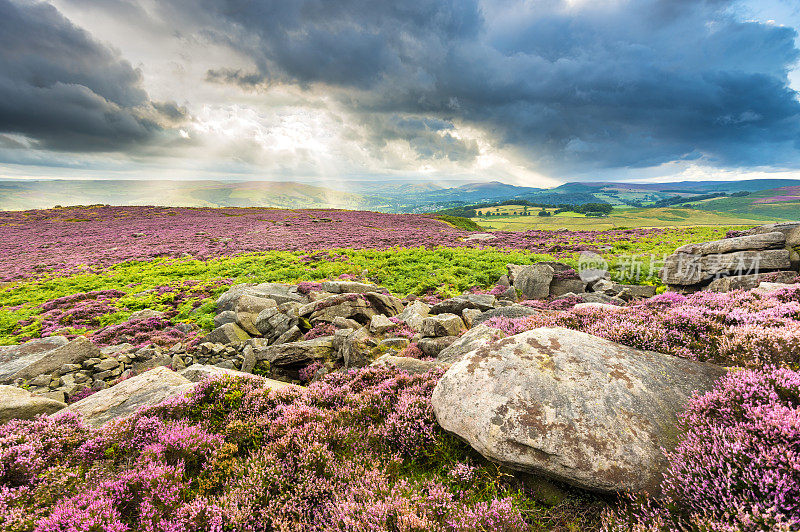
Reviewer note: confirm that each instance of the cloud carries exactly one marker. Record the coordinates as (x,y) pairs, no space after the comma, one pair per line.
(572,85)
(65,91)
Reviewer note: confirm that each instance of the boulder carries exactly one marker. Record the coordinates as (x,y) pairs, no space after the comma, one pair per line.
(16,403)
(354,347)
(296,353)
(230,333)
(14,358)
(395,343)
(596,306)
(456,305)
(470,341)
(352,306)
(280,293)
(571,406)
(774,287)
(146,314)
(773,240)
(379,324)
(384,303)
(469,315)
(512,311)
(348,287)
(534,281)
(431,347)
(272,323)
(147,389)
(291,335)
(629,292)
(442,325)
(414,314)
(199,372)
(228,316)
(560,287)
(247,309)
(684,269)
(74,352)
(411,365)
(748,282)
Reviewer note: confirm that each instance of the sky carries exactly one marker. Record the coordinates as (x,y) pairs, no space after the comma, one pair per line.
(530,92)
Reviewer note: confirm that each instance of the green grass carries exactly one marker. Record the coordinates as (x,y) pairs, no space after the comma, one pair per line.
(459,222)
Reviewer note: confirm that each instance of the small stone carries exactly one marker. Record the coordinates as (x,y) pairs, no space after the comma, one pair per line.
(69,368)
(394,343)
(109,363)
(379,324)
(442,325)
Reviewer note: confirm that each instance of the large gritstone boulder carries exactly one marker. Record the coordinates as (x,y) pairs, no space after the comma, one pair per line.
(571,406)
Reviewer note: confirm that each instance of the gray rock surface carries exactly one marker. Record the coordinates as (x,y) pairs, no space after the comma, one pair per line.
(272,323)
(149,388)
(411,365)
(431,347)
(16,403)
(512,311)
(773,240)
(571,406)
(442,325)
(534,281)
(14,358)
(560,287)
(458,304)
(74,352)
(230,333)
(471,340)
(348,287)
(247,309)
(747,282)
(685,269)
(296,353)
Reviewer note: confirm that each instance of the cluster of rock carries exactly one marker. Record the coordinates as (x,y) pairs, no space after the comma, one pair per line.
(551,401)
(740,262)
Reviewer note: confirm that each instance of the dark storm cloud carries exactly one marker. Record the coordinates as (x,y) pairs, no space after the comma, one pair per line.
(65,91)
(605,85)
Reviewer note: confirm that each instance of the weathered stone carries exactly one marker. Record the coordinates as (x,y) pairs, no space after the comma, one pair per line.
(385,304)
(458,304)
(503,281)
(774,287)
(470,341)
(149,388)
(249,362)
(41,361)
(345,323)
(230,333)
(41,380)
(348,287)
(560,287)
(16,403)
(354,347)
(747,282)
(248,308)
(395,343)
(596,297)
(414,314)
(512,311)
(685,269)
(469,315)
(431,347)
(534,281)
(479,236)
(596,306)
(571,406)
(411,365)
(156,361)
(442,325)
(272,323)
(222,318)
(292,335)
(15,357)
(280,293)
(177,363)
(109,363)
(629,292)
(55,395)
(352,306)
(296,353)
(146,314)
(757,242)
(379,324)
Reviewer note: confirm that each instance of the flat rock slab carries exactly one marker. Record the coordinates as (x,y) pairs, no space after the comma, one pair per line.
(123,399)
(571,406)
(48,361)
(688,269)
(296,353)
(16,403)
(411,365)
(757,242)
(201,372)
(13,358)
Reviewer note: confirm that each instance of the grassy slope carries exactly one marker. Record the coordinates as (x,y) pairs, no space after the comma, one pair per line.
(749,206)
(628,218)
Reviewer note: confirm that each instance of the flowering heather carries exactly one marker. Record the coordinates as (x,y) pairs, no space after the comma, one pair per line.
(141,332)
(71,239)
(357,451)
(743,328)
(737,466)
(320,329)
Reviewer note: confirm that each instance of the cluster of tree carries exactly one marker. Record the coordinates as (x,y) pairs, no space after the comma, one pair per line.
(492,209)
(666,202)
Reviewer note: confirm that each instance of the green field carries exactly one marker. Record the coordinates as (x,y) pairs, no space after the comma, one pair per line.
(620,218)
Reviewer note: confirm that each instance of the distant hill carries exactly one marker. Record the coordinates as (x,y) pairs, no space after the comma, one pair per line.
(773,204)
(396,195)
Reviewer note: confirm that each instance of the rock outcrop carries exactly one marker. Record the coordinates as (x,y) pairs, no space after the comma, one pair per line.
(16,403)
(571,406)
